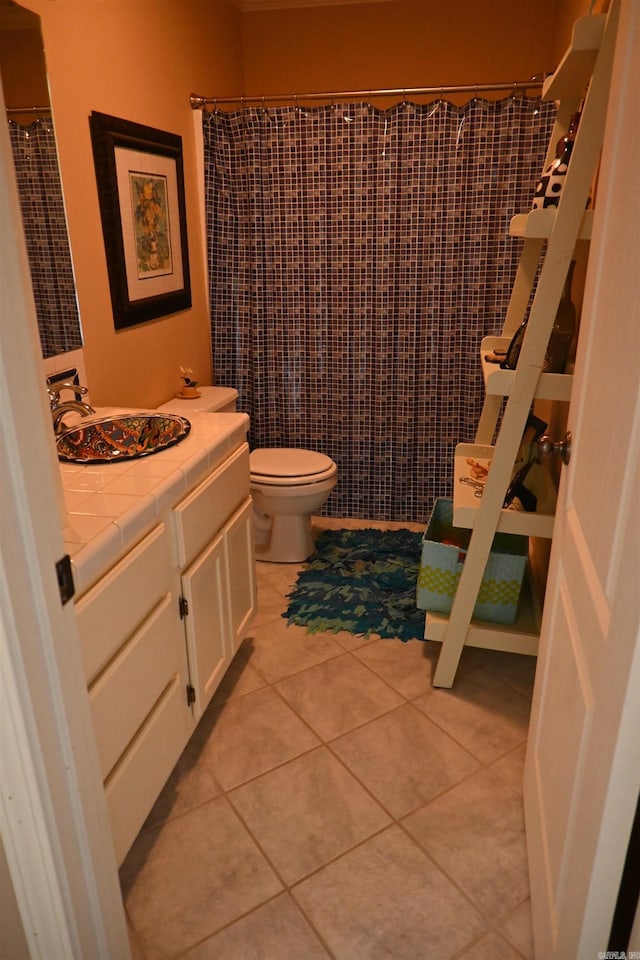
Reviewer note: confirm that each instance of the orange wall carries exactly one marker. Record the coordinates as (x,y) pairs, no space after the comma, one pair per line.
(138,61)
(24,76)
(405,43)
(399,44)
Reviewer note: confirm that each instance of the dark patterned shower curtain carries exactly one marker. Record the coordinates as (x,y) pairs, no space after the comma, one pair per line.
(357,257)
(45,227)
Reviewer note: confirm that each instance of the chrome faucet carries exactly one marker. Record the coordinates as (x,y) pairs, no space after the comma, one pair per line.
(60,409)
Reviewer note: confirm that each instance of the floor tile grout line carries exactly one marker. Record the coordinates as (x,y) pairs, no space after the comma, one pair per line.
(510,685)
(329,741)
(221,789)
(467,895)
(460,744)
(447,733)
(226,792)
(397,821)
(460,955)
(328,744)
(512,913)
(290,887)
(248,913)
(393,820)
(355,659)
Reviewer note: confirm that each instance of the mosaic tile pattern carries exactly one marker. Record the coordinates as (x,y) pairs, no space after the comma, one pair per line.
(357,257)
(45,226)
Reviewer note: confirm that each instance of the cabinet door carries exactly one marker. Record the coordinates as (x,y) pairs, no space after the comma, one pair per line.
(238,534)
(204,587)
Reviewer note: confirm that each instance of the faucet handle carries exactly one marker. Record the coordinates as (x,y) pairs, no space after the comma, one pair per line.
(54,389)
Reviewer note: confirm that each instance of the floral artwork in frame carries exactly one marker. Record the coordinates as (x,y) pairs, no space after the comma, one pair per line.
(140,182)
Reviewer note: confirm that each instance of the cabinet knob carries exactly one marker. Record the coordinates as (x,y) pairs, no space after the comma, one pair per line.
(547,447)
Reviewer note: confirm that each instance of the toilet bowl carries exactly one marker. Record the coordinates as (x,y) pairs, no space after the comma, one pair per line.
(288,485)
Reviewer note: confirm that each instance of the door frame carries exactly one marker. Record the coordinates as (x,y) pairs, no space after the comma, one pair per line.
(53,818)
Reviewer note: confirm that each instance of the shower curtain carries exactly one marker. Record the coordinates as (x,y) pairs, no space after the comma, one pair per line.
(356,258)
(40,191)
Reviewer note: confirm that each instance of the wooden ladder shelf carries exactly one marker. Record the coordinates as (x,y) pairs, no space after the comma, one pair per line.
(549,238)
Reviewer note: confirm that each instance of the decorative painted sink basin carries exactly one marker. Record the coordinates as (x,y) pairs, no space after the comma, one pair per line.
(120,437)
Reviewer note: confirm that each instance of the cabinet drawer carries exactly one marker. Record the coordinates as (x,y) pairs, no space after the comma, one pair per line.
(110,612)
(135,783)
(203,512)
(124,694)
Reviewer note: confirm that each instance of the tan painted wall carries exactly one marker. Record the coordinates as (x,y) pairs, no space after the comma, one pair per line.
(138,60)
(399,44)
(24,76)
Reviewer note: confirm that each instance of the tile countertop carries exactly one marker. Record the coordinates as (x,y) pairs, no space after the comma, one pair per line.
(111,507)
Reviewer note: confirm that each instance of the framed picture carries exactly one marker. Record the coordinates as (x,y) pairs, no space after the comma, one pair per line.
(141,192)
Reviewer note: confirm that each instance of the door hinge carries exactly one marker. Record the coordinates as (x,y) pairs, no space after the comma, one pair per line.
(191,694)
(183,607)
(65,578)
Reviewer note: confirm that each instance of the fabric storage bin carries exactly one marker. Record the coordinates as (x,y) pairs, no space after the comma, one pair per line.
(444,549)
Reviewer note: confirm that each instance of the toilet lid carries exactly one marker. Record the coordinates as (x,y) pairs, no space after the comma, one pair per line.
(287,462)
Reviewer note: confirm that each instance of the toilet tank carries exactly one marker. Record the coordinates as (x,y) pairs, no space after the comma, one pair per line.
(211,400)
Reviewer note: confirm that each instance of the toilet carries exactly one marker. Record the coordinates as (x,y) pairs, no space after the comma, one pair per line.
(288,485)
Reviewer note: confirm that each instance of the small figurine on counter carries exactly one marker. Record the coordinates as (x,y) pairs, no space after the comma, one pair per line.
(189,385)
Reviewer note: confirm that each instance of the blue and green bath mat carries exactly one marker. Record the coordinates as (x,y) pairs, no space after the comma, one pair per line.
(360,581)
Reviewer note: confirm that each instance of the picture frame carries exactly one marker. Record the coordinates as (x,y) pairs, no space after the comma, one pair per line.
(140,180)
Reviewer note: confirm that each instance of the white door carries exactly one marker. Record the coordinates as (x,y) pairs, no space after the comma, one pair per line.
(583,762)
(205,588)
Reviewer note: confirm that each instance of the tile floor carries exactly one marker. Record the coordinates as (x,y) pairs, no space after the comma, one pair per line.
(333,804)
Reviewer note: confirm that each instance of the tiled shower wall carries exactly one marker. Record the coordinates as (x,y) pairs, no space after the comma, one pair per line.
(45,226)
(357,257)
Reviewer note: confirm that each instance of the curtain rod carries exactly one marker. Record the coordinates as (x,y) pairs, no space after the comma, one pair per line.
(46,109)
(197,102)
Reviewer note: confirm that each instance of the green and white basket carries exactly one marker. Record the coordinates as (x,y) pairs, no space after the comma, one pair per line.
(444,548)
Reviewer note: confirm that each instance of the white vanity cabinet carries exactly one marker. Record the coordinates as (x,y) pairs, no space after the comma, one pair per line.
(160,626)
(214,537)
(136,670)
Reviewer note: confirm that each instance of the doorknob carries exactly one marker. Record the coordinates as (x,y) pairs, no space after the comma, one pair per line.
(547,446)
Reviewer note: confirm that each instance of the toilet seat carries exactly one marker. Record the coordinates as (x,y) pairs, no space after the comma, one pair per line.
(289,466)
